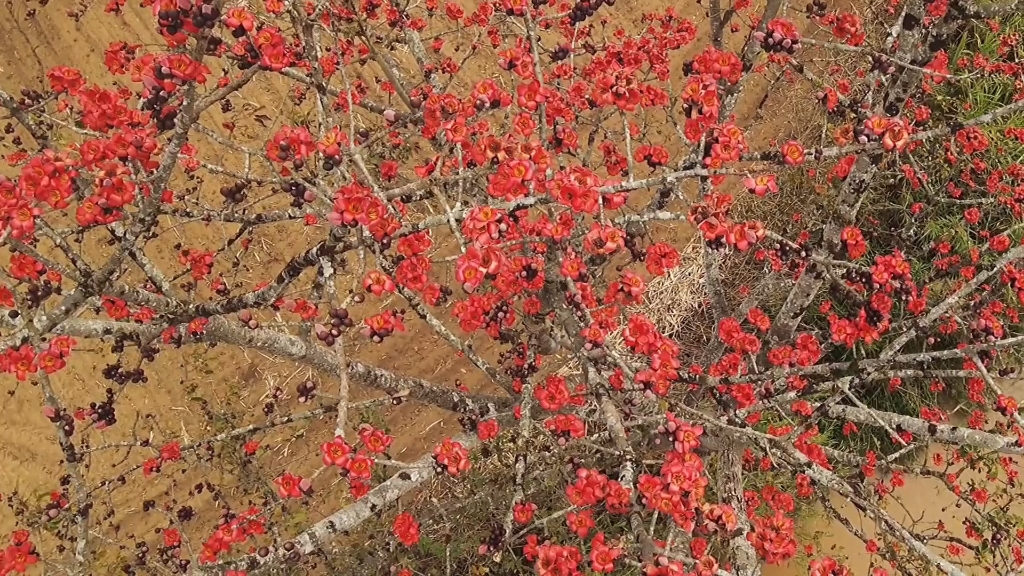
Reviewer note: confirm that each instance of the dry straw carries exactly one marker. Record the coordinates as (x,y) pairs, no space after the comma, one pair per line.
(676,302)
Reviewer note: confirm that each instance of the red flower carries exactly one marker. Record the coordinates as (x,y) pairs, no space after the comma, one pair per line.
(288,144)
(1000,243)
(774,538)
(530,96)
(843,168)
(452,457)
(522,512)
(581,523)
(388,170)
(972,215)
(856,246)
(144,315)
(602,556)
(150,467)
(378,283)
(18,557)
(972,140)
(239,18)
(358,489)
(116,308)
(7,297)
(65,79)
(686,435)
(661,257)
(827,567)
(761,185)
(487,430)
(720,65)
(359,467)
(553,394)
(170,452)
(555,560)
(896,136)
(21,362)
(382,325)
(172,538)
(566,426)
(414,244)
(292,486)
(589,489)
(454,11)
(848,28)
(336,452)
(51,361)
(793,153)
(197,326)
(375,440)
(406,529)
(26,267)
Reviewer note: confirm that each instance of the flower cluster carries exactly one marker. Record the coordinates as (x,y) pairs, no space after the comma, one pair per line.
(406,529)
(19,554)
(711,217)
(236,530)
(355,205)
(24,361)
(452,457)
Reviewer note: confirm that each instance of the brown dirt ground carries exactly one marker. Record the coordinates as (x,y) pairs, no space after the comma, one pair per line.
(167,407)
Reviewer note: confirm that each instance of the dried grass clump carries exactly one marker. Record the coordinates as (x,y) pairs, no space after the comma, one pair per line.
(676,302)
(672,300)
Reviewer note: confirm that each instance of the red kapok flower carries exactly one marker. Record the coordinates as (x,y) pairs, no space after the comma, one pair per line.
(406,529)
(793,153)
(292,486)
(487,430)
(336,452)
